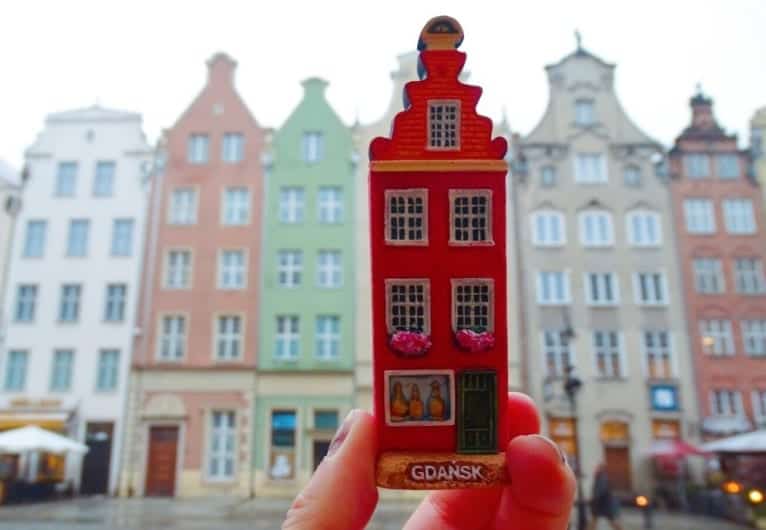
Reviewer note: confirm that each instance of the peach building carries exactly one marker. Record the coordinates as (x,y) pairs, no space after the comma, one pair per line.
(192,391)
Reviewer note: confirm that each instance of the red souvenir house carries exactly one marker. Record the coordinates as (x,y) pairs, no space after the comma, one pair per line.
(438,232)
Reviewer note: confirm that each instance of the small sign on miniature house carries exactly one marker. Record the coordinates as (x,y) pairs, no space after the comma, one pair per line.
(438,232)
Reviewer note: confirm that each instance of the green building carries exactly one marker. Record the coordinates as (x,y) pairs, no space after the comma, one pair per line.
(305,354)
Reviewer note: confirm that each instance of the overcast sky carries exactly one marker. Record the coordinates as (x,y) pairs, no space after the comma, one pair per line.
(149,56)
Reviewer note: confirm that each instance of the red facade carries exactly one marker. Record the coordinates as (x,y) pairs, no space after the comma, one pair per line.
(437,206)
(720,233)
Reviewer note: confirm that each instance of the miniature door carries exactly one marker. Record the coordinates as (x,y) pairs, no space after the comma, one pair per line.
(438,255)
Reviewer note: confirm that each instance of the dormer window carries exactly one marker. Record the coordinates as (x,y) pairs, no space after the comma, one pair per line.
(444,124)
(584,114)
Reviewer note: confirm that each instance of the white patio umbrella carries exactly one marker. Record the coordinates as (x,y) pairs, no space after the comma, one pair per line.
(33,438)
(751,442)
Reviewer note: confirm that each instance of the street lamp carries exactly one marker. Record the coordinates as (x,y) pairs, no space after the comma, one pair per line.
(572,385)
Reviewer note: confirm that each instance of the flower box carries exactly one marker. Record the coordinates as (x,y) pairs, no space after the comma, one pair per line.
(410,343)
(475,341)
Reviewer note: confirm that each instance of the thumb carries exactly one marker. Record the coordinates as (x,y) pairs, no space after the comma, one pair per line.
(342,493)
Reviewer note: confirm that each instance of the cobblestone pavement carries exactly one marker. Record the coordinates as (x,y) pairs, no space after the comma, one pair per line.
(228,514)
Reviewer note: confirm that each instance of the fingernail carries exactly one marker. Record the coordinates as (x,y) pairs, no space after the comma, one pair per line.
(341,434)
(562,454)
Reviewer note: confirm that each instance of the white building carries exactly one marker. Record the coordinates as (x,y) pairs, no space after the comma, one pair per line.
(10,186)
(73,283)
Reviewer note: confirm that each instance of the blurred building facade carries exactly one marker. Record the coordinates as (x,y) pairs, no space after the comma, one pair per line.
(719,221)
(10,203)
(191,403)
(72,285)
(601,291)
(307,317)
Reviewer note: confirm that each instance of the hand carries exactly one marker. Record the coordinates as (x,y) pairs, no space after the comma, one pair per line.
(342,494)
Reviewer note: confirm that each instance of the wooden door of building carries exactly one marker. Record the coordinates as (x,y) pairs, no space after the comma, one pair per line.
(161,464)
(98,459)
(477,412)
(617,460)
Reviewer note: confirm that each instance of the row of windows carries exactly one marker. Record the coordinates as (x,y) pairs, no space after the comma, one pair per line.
(738,215)
(329,268)
(590,168)
(103,179)
(609,356)
(229,338)
(232,148)
(748,276)
(602,289)
(406,217)
(697,165)
(283,428)
(643,228)
(408,305)
(78,238)
(62,370)
(717,337)
(25,309)
(236,208)
(726,402)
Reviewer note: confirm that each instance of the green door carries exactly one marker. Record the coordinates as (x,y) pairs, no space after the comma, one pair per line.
(477,412)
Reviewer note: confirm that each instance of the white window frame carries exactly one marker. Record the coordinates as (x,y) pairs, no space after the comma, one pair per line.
(717,337)
(749,281)
(403,217)
(232,147)
(122,237)
(632,175)
(70,189)
(115,301)
(444,125)
(330,208)
(754,336)
(732,402)
(549,176)
(406,284)
(470,216)
(758,398)
(174,340)
(235,207)
(611,353)
(108,370)
(289,268)
(598,217)
(228,340)
(590,168)
(232,274)
(585,111)
(709,280)
(286,338)
(222,446)
(182,208)
(697,165)
(312,145)
(637,227)
(548,218)
(25,308)
(198,148)
(292,204)
(103,182)
(699,216)
(328,342)
(61,372)
(653,300)
(70,303)
(559,348)
(601,287)
(656,354)
(15,379)
(178,275)
(35,236)
(78,237)
(739,216)
(542,278)
(490,303)
(330,269)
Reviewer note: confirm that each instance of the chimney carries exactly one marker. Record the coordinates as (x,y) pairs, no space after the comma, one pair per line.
(220,69)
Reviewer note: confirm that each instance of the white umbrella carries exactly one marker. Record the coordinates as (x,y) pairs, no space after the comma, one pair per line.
(33,438)
(751,442)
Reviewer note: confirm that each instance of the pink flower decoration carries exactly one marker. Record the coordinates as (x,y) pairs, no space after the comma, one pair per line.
(410,343)
(474,342)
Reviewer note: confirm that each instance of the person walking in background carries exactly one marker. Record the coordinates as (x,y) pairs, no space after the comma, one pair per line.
(603,502)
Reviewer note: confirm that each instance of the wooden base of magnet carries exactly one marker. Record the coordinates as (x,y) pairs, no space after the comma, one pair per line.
(440,471)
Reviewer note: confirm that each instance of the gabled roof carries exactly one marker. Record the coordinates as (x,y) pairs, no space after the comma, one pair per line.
(581,53)
(94,113)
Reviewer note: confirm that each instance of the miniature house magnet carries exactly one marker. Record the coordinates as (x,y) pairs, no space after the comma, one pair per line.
(437,206)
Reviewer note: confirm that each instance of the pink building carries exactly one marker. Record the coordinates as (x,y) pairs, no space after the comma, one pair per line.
(193,381)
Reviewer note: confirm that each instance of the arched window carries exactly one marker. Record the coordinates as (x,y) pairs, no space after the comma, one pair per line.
(596,228)
(644,228)
(548,228)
